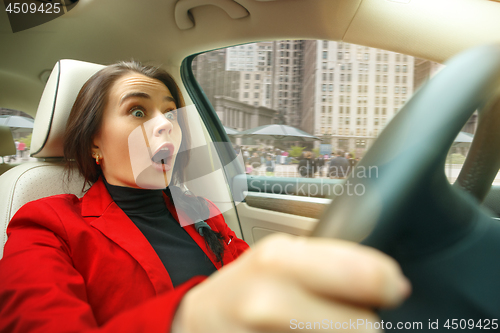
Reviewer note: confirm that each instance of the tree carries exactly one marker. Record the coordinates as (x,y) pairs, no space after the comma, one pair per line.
(26,140)
(295,151)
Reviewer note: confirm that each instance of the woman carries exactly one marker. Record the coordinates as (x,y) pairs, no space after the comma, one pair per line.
(118,260)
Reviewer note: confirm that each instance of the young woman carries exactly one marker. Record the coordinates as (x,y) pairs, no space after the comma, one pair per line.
(118,260)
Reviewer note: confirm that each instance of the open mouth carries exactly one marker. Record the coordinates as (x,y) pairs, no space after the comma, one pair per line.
(162,158)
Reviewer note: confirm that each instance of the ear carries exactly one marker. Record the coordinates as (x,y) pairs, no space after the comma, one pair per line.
(95,146)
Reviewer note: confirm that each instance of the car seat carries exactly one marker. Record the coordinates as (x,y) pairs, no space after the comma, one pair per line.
(34,180)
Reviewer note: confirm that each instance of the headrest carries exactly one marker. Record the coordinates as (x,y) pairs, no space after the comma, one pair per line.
(7,146)
(64,84)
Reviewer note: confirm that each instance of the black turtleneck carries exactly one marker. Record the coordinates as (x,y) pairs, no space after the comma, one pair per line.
(180,254)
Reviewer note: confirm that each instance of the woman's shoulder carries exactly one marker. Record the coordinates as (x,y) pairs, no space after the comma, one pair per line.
(57,199)
(57,205)
(52,213)
(212,207)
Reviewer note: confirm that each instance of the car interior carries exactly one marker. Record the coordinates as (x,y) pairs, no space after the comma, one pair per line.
(445,236)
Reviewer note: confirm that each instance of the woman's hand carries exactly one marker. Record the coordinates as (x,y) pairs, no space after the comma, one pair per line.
(285,282)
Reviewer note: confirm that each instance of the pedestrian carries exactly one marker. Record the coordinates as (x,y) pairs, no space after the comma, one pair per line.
(307,165)
(339,166)
(255,163)
(21,147)
(248,168)
(352,163)
(320,162)
(270,165)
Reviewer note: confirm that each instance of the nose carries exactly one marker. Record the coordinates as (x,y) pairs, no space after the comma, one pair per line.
(162,125)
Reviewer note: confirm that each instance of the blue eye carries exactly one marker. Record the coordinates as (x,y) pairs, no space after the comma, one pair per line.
(171,115)
(138,113)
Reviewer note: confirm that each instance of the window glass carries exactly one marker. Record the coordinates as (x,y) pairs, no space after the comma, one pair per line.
(383,82)
(21,128)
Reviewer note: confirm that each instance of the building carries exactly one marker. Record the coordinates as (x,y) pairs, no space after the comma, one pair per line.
(426,69)
(240,115)
(238,93)
(274,79)
(351,92)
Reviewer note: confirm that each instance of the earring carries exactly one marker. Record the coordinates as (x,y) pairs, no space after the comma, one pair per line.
(97,157)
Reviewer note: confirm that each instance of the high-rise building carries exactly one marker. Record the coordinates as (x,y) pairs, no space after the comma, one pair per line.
(424,70)
(271,76)
(351,92)
(238,96)
(286,80)
(342,92)
(266,74)
(210,72)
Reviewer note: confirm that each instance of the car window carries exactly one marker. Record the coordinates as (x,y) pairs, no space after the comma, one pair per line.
(341,93)
(21,127)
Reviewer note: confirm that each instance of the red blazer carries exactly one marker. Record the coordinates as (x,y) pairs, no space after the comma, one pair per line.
(78,265)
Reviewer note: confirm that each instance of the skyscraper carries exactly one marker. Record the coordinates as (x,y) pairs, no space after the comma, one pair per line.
(351,92)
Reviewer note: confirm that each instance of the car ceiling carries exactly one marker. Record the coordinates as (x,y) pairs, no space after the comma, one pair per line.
(104,31)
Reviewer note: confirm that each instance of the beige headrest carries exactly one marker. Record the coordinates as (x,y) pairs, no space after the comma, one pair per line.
(7,146)
(64,84)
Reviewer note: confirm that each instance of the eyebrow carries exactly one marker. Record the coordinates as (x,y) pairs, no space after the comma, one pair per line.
(143,95)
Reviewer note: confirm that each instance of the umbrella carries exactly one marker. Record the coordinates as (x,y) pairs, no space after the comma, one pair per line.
(279,132)
(230,131)
(16,121)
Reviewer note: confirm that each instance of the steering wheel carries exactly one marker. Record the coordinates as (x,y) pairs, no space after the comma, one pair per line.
(401,203)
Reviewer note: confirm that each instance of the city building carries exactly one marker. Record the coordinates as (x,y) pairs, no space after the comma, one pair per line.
(426,69)
(351,92)
(239,92)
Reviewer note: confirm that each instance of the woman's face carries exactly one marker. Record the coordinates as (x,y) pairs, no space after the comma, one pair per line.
(139,135)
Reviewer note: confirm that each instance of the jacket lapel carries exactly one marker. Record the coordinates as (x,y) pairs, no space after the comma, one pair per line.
(116,225)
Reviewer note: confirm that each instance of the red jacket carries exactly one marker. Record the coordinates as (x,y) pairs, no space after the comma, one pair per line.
(78,265)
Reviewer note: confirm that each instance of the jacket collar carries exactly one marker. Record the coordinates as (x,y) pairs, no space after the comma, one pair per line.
(117,226)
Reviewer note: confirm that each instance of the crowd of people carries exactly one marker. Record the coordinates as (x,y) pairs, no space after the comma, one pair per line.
(338,165)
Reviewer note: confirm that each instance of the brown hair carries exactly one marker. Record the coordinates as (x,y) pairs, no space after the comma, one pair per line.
(86,117)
